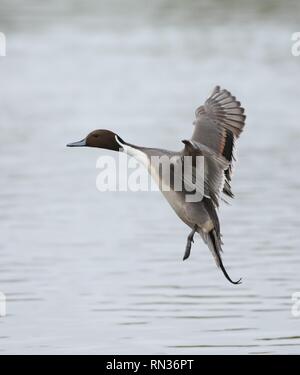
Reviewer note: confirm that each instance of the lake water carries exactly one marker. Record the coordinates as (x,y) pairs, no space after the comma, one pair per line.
(102,273)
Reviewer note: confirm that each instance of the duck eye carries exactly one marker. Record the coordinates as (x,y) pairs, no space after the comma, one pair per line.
(96,135)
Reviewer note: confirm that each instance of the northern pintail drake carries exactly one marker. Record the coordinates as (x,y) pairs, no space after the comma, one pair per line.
(218,125)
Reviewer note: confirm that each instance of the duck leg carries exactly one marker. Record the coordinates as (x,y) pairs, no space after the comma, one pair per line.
(190,239)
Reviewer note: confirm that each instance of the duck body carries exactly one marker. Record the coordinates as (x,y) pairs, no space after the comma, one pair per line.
(200,216)
(218,125)
(190,213)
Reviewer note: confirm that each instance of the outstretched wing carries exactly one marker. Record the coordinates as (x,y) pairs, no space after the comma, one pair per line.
(210,177)
(219,122)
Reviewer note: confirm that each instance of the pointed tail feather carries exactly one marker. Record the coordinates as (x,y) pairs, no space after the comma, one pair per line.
(214,244)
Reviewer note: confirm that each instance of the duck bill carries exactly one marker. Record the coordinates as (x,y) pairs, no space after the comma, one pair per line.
(77,144)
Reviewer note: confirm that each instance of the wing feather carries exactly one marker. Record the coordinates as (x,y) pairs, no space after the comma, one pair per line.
(218,124)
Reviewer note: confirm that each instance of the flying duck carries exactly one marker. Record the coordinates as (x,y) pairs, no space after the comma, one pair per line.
(217,126)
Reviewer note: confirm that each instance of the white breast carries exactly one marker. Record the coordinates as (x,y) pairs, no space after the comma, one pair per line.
(139,155)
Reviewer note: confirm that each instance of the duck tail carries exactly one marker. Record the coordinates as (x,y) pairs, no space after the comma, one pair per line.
(214,243)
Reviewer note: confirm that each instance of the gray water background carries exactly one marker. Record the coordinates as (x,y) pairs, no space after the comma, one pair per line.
(90,272)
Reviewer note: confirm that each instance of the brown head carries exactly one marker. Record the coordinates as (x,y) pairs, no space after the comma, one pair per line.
(102,139)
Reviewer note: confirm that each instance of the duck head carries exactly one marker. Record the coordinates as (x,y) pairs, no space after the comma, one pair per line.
(102,139)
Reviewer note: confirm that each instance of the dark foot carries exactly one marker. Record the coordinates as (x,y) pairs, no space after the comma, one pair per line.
(188,248)
(190,240)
